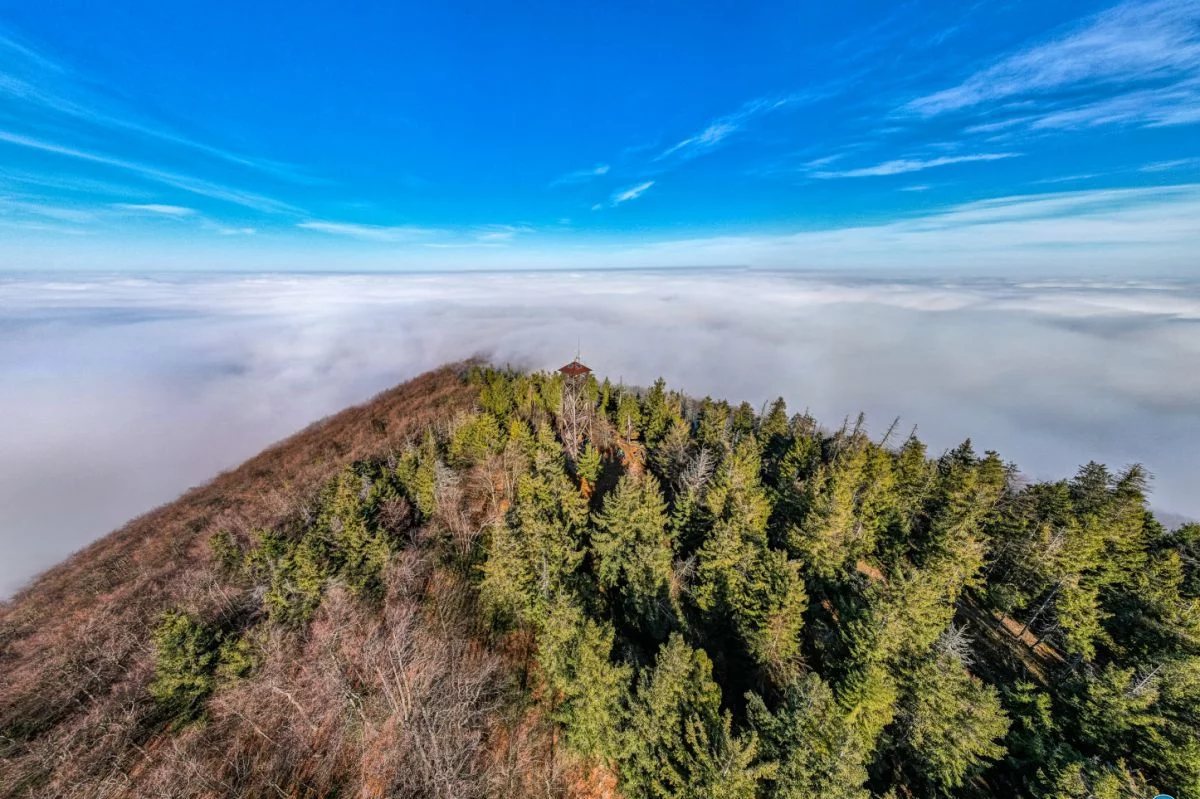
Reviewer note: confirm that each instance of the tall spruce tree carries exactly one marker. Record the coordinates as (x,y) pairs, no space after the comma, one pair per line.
(951,724)
(586,691)
(812,742)
(740,577)
(633,551)
(679,743)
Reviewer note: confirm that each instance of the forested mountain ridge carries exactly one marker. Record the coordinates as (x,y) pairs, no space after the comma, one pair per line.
(452,592)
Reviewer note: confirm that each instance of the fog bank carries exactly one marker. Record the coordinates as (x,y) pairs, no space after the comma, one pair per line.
(119,393)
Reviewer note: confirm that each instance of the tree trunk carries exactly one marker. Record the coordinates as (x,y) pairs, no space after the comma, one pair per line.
(1038,612)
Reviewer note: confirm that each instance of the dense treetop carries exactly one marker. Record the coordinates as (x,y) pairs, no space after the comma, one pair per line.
(779,609)
(712,601)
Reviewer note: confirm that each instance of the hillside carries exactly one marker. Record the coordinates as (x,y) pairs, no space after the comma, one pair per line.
(474,586)
(78,645)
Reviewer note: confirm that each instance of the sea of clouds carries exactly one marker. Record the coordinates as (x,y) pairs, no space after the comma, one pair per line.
(118,393)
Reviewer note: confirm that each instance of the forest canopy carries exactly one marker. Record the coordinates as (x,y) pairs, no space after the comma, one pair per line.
(736,603)
(711,600)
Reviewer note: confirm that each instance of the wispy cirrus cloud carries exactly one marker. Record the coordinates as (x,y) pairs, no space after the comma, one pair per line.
(487,235)
(383,233)
(824,160)
(41,88)
(1136,63)
(581,175)
(1140,231)
(9,43)
(900,166)
(1178,104)
(27,225)
(160,209)
(1168,166)
(1054,231)
(1068,178)
(192,185)
(498,234)
(56,115)
(720,129)
(706,139)
(625,195)
(632,193)
(17,208)
(86,216)
(70,185)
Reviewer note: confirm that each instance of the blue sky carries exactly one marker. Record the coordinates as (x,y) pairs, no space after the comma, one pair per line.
(299,135)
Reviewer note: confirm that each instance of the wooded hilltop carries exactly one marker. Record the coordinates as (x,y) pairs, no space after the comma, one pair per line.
(452,592)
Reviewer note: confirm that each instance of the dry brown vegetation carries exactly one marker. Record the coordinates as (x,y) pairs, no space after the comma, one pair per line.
(400,700)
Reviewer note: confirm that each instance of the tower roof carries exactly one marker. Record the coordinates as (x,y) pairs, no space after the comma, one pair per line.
(574,369)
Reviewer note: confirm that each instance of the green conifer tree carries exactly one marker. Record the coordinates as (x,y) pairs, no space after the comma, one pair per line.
(740,577)
(535,555)
(712,426)
(589,465)
(186,655)
(658,412)
(952,723)
(814,744)
(587,691)
(678,742)
(633,551)
(629,415)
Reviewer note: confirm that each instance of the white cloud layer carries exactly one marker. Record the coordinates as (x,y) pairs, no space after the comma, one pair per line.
(120,393)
